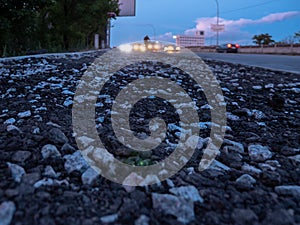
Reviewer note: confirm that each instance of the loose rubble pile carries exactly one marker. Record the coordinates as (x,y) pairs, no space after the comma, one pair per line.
(44,179)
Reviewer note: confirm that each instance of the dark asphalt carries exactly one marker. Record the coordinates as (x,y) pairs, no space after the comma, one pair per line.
(275,62)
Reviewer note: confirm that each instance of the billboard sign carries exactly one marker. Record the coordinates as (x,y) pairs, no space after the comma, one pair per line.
(217,27)
(127,7)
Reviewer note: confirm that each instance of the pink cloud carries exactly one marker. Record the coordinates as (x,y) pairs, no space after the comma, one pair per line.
(278,17)
(164,37)
(233,27)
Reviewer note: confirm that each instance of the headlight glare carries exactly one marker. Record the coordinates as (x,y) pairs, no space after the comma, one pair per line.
(125,48)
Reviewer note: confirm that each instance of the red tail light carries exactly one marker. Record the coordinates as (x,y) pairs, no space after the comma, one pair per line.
(237,45)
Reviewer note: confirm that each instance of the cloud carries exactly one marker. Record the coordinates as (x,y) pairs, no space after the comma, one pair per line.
(278,17)
(165,37)
(233,27)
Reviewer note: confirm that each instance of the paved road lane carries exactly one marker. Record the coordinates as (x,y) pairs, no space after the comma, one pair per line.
(274,62)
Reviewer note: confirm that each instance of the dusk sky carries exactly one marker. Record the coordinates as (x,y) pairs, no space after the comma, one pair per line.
(242,19)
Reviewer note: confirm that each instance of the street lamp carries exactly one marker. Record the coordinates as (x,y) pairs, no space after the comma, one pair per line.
(153,28)
(217,22)
(110,15)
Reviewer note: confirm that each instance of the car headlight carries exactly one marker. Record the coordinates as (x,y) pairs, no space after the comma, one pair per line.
(171,48)
(143,48)
(136,47)
(156,46)
(125,48)
(150,46)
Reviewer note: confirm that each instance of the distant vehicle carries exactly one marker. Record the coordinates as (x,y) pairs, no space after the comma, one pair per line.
(171,48)
(152,46)
(228,48)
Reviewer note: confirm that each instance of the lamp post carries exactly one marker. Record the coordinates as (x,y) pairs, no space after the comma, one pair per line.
(110,15)
(218,12)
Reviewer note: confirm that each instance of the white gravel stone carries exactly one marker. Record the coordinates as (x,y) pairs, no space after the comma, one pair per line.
(295,158)
(288,190)
(75,162)
(7,211)
(251,170)
(68,102)
(257,114)
(36,130)
(296,90)
(89,176)
(262,124)
(257,87)
(85,141)
(12,127)
(44,182)
(259,153)
(67,92)
(190,170)
(109,218)
(49,172)
(207,106)
(273,163)
(50,182)
(21,156)
(232,117)
(234,146)
(53,124)
(188,193)
(24,114)
(57,136)
(176,206)
(266,167)
(151,179)
(216,165)
(50,151)
(142,220)
(17,171)
(10,121)
(246,180)
(269,86)
(203,125)
(131,181)
(170,183)
(226,90)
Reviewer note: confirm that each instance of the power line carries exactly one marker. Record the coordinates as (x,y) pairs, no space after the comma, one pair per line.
(248,7)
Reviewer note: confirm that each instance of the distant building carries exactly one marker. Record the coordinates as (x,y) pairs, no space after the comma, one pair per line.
(190,40)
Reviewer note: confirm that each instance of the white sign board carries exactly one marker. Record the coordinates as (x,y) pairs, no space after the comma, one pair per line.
(127,7)
(217,27)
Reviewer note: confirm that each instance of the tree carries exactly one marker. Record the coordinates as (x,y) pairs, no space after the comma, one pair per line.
(263,39)
(297,36)
(56,25)
(287,40)
(74,22)
(18,24)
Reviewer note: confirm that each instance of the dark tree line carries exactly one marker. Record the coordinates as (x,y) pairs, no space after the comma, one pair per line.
(54,25)
(263,39)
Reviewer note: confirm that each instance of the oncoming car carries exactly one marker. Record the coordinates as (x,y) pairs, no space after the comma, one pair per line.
(171,48)
(152,46)
(228,48)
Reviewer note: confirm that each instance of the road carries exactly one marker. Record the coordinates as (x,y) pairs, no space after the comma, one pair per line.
(274,62)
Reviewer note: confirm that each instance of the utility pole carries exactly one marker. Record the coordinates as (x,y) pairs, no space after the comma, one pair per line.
(108,33)
(110,15)
(218,12)
(153,28)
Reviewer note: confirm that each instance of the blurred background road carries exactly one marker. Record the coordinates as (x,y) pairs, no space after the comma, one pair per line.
(286,63)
